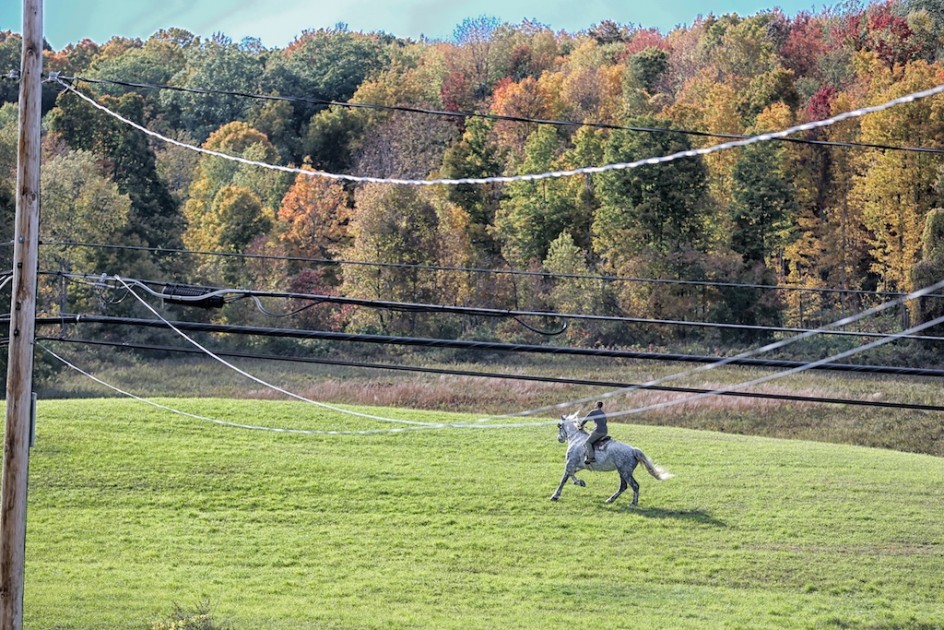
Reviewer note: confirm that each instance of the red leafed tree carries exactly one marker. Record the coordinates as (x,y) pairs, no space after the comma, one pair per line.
(643,39)
(819,106)
(805,45)
(311,315)
(456,92)
(889,35)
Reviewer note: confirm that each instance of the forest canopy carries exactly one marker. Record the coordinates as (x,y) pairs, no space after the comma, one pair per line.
(849,207)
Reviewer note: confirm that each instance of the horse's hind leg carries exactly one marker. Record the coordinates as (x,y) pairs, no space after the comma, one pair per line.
(635,486)
(626,473)
(618,492)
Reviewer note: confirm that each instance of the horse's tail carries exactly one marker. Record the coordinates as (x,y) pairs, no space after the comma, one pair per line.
(656,471)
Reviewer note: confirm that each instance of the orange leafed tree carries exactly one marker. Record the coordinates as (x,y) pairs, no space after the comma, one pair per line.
(523,99)
(314,217)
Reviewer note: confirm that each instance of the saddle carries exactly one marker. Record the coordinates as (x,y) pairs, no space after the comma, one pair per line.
(601,444)
(600,447)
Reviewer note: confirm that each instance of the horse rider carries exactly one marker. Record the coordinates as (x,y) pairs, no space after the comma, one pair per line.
(599,429)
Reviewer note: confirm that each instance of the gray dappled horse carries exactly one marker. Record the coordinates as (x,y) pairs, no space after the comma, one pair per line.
(611,455)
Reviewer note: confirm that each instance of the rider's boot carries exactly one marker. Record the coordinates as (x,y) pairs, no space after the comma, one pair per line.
(589,457)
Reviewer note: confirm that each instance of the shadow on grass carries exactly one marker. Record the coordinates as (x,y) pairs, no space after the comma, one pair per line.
(694,516)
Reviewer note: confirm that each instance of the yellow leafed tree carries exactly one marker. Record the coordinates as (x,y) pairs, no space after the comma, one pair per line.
(896,189)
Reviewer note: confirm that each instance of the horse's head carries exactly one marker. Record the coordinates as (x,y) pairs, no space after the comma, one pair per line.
(566,427)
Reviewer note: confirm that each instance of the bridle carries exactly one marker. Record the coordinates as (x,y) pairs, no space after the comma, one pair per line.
(562,434)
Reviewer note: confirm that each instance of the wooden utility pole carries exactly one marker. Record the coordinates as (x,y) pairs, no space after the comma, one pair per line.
(22,325)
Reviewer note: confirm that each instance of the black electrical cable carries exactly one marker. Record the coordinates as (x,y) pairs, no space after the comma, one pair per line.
(411,307)
(477,270)
(498,375)
(497,117)
(464,344)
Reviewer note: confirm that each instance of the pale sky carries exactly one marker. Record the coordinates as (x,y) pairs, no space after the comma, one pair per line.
(278,23)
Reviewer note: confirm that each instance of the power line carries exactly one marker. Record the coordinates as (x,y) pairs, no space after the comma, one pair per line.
(804,367)
(830,360)
(426,342)
(530,177)
(486,116)
(813,365)
(478,270)
(476,425)
(494,375)
(412,307)
(712,363)
(479,424)
(401,307)
(755,139)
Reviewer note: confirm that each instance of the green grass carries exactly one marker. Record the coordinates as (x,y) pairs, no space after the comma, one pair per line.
(133,509)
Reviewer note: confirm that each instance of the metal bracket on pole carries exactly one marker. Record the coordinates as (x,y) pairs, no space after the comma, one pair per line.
(32,431)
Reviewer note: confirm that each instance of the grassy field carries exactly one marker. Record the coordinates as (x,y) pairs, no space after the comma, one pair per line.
(133,509)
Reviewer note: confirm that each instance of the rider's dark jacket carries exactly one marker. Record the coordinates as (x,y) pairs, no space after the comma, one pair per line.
(599,420)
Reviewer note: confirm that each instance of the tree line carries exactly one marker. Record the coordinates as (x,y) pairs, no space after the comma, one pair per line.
(786,214)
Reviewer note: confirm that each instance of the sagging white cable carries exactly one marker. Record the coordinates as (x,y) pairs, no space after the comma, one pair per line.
(845,321)
(217,420)
(587,170)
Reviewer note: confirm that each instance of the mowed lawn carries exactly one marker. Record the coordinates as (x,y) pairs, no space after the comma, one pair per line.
(133,509)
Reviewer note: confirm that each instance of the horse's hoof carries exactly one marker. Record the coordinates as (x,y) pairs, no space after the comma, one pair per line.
(581,483)
(554,497)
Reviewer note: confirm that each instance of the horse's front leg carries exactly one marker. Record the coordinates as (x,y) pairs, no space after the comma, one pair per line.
(574,463)
(556,495)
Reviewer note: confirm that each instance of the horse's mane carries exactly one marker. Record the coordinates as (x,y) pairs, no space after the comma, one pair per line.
(573,417)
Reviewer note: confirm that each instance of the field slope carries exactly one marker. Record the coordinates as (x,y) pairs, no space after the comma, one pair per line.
(133,509)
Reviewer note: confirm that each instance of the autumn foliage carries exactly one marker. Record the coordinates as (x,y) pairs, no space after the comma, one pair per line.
(810,216)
